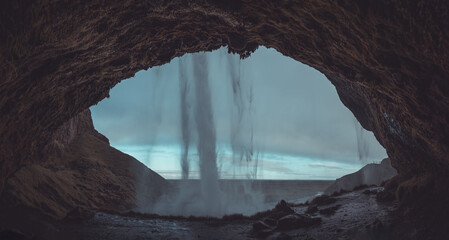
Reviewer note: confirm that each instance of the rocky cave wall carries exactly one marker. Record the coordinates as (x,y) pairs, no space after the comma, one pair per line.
(387,59)
(81,171)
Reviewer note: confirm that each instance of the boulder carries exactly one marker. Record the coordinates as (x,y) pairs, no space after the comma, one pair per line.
(294,221)
(260,226)
(323,200)
(329,211)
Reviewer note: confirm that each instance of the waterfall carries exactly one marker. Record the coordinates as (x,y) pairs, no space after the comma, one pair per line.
(206,135)
(209,197)
(185,126)
(362,142)
(241,116)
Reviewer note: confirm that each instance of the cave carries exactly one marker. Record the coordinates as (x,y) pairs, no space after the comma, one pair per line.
(278,125)
(387,60)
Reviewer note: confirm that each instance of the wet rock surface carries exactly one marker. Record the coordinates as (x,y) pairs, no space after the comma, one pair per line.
(283,217)
(360,216)
(384,196)
(79,214)
(295,221)
(329,211)
(311,209)
(262,226)
(323,200)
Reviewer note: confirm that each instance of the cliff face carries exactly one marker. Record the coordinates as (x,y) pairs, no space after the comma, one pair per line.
(387,59)
(65,134)
(82,170)
(371,174)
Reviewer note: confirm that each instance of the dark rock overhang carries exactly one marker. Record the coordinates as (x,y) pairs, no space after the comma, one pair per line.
(387,59)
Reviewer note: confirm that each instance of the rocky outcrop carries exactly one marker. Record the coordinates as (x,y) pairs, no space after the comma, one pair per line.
(82,171)
(371,174)
(80,124)
(387,59)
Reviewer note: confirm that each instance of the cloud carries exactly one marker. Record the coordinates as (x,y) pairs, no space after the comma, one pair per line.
(320,165)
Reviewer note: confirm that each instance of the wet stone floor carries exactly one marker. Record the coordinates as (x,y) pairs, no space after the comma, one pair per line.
(353,215)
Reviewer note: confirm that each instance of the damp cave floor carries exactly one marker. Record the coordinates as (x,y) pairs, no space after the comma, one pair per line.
(359,216)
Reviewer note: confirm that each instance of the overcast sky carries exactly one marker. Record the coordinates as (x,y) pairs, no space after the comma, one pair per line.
(301,129)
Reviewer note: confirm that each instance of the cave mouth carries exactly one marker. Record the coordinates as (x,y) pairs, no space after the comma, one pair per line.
(273,119)
(387,60)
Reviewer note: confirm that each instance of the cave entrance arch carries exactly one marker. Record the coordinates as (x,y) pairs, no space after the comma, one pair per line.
(270,98)
(376,77)
(387,60)
(273,118)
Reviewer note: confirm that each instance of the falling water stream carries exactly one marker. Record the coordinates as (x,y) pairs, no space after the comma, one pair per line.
(217,125)
(362,142)
(206,135)
(185,129)
(197,125)
(241,119)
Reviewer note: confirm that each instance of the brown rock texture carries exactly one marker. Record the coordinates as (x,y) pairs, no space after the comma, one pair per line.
(82,171)
(387,59)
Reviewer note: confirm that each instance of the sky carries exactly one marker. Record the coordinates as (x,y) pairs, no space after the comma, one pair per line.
(299,127)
